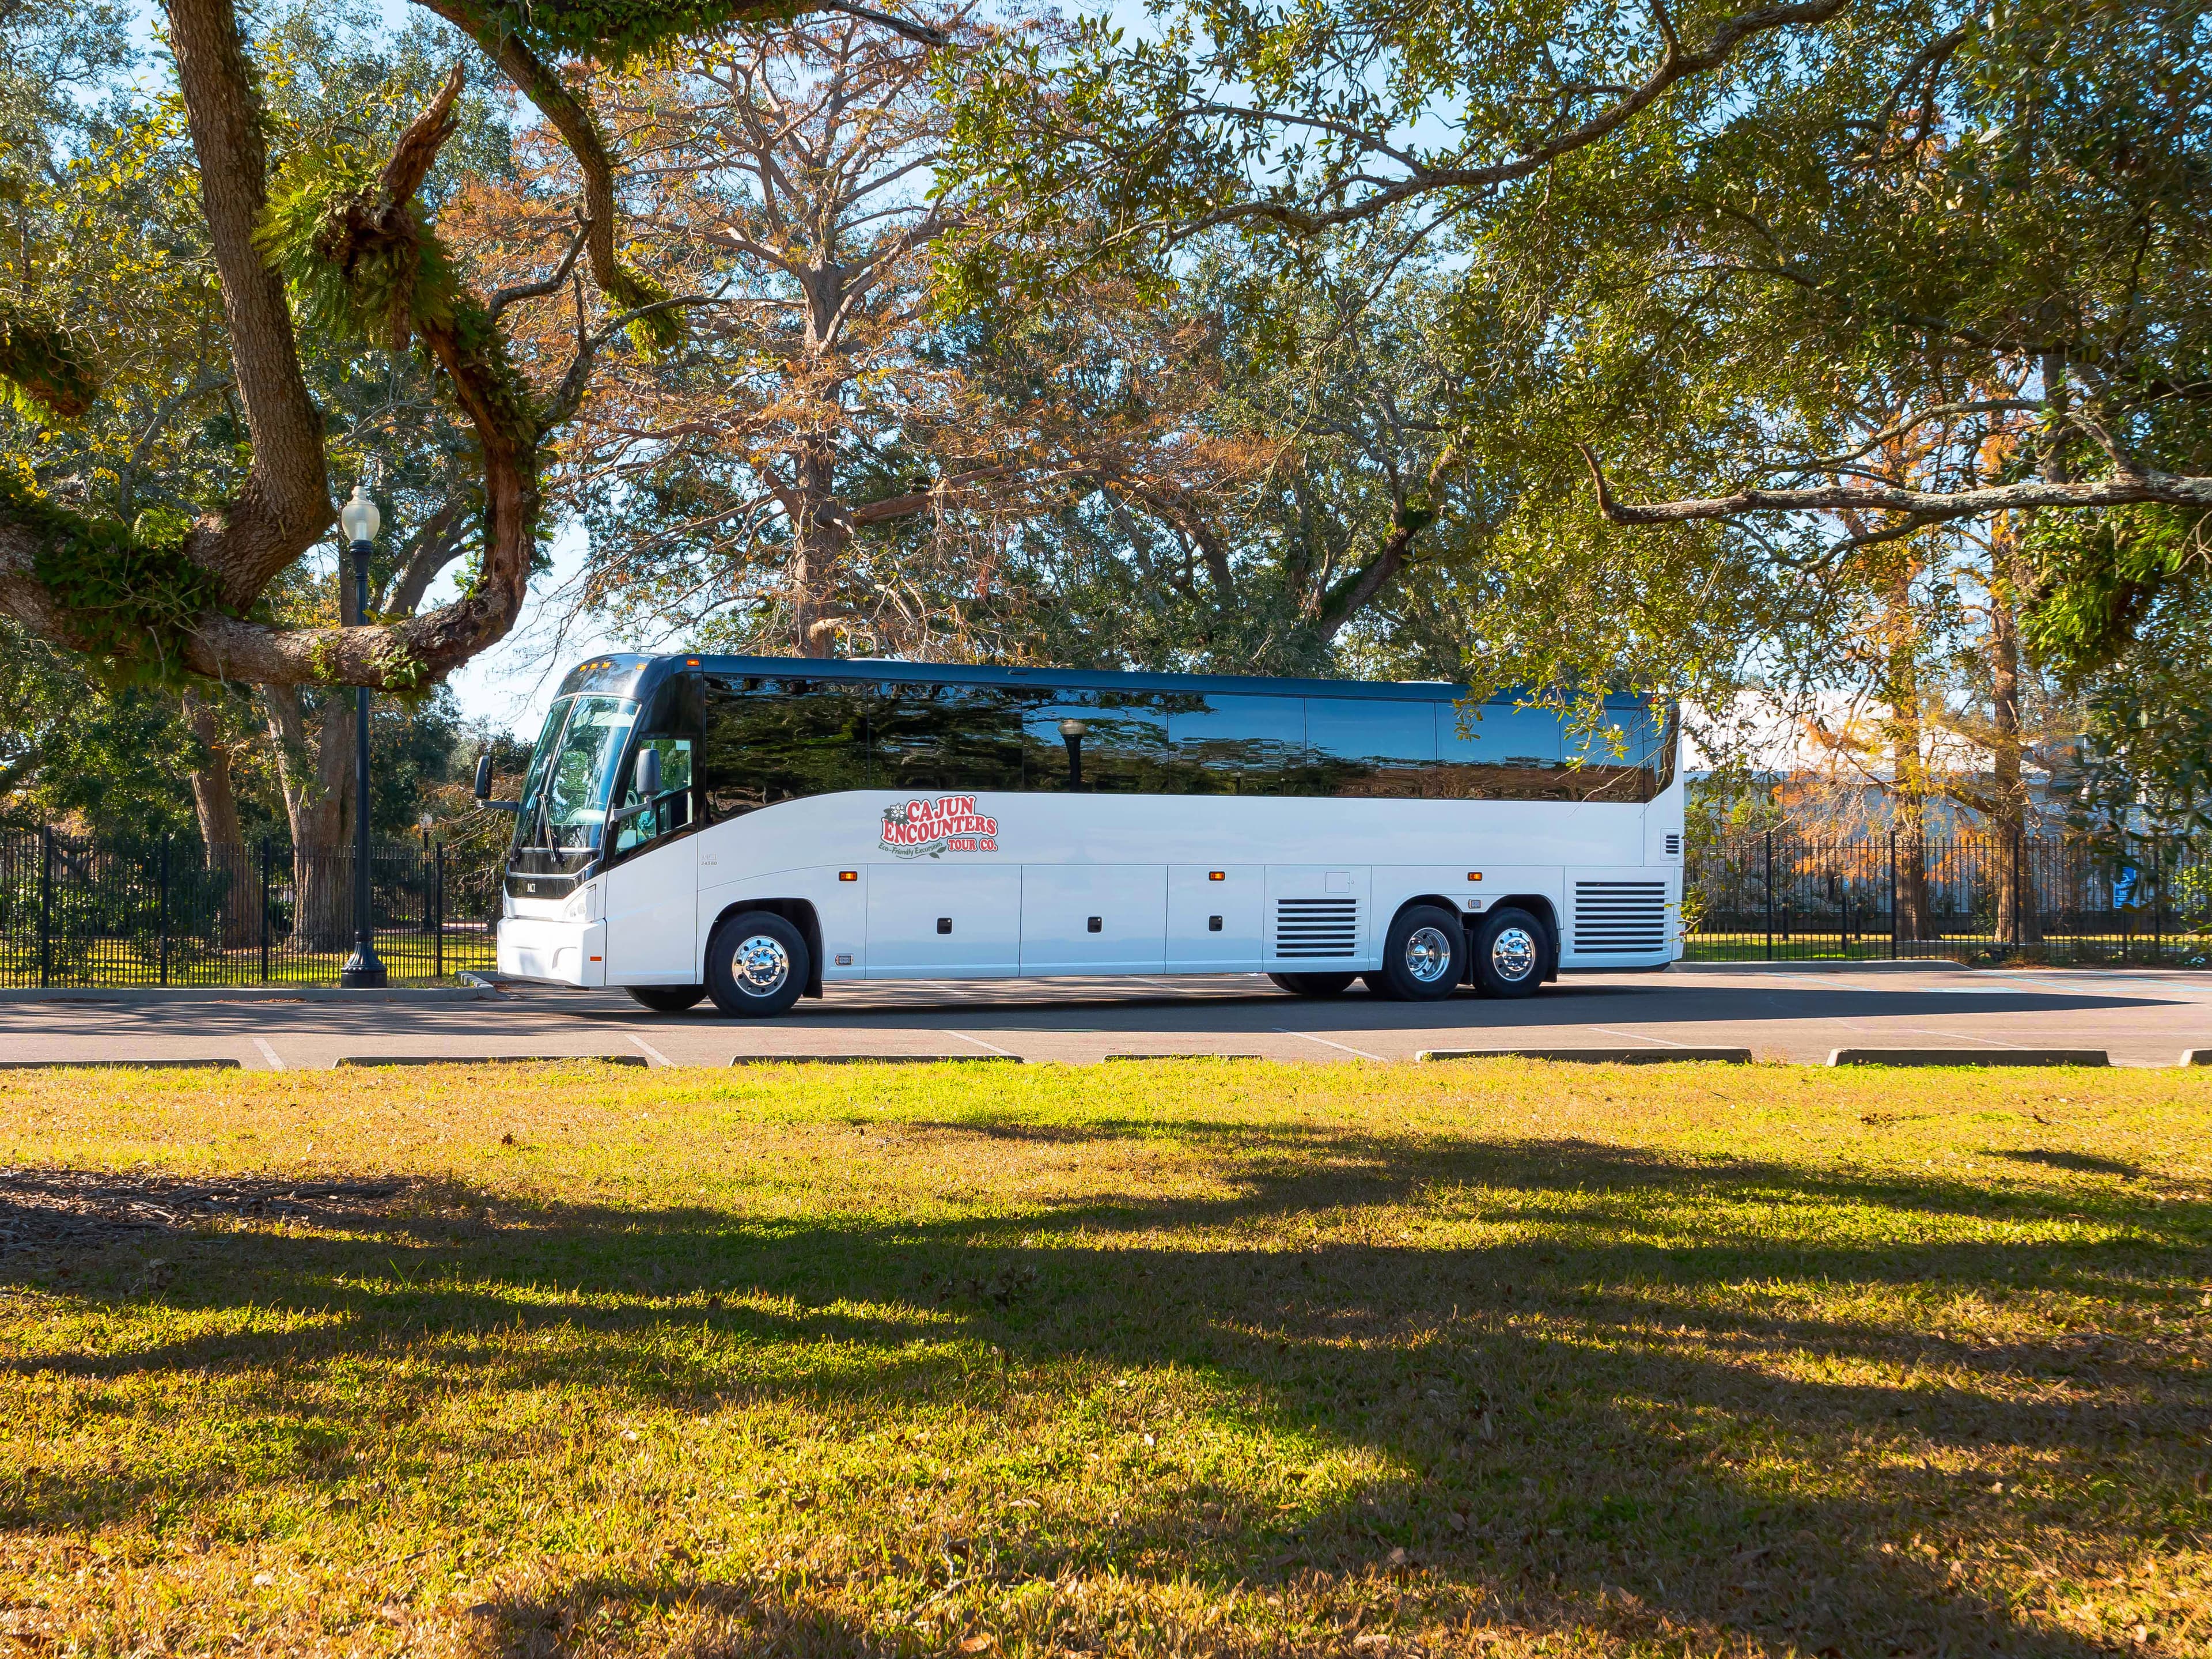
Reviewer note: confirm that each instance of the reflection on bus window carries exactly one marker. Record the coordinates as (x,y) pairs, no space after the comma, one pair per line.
(1370,748)
(1119,743)
(1237,745)
(934,738)
(773,739)
(1495,751)
(1626,757)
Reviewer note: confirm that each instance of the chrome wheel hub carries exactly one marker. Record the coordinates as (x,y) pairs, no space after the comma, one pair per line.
(1428,955)
(1513,953)
(760,965)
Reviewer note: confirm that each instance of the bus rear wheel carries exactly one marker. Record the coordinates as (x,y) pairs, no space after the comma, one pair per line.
(1313,985)
(757,965)
(1508,954)
(667,998)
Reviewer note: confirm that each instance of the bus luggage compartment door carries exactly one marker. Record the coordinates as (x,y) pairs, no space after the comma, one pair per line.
(929,919)
(1214,918)
(1094,918)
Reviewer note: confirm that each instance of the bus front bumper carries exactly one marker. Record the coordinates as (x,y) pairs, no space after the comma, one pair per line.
(553,952)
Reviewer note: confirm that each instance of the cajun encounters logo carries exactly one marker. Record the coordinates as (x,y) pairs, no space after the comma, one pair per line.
(951,824)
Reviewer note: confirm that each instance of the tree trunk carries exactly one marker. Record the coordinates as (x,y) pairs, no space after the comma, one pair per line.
(2015,879)
(215,803)
(316,779)
(1915,917)
(821,538)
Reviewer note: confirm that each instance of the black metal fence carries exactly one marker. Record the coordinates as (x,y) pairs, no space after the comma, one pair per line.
(1783,898)
(174,912)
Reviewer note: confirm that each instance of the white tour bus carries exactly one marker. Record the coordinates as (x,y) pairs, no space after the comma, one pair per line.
(749,828)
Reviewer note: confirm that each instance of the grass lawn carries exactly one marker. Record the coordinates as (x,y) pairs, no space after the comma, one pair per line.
(1187,1358)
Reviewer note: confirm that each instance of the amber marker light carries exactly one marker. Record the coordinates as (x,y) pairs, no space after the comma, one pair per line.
(848,875)
(1217,875)
(1474,875)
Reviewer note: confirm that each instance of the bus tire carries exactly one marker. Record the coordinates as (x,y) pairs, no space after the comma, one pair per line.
(1423,956)
(667,998)
(757,965)
(1510,950)
(1313,985)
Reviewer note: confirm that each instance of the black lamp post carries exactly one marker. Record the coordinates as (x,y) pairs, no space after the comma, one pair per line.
(362,971)
(1071,733)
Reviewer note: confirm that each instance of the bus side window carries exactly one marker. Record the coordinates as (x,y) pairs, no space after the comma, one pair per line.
(773,739)
(1370,747)
(929,736)
(1496,751)
(1120,749)
(1237,745)
(672,809)
(1623,758)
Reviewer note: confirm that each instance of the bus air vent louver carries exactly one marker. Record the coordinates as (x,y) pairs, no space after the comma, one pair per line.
(1317,927)
(1620,917)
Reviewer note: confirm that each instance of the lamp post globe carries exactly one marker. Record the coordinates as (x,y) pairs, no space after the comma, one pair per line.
(359,519)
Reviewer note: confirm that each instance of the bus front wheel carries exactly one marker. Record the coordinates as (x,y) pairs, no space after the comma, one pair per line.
(667,998)
(1423,956)
(1312,985)
(757,965)
(1508,954)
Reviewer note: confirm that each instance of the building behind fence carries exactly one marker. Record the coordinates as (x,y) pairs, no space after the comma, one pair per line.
(173,912)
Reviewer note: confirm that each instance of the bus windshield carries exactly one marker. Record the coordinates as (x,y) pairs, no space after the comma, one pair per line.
(564,801)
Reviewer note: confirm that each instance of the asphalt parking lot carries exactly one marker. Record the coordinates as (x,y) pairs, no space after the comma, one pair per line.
(2142,1017)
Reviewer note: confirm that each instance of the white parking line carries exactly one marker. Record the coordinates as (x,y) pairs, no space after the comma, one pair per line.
(651,1052)
(980,1043)
(1639,1036)
(1326,1043)
(269,1054)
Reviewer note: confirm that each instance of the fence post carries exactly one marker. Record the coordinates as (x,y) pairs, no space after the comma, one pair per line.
(2157,900)
(46,904)
(1892,896)
(1770,896)
(161,910)
(438,897)
(264,910)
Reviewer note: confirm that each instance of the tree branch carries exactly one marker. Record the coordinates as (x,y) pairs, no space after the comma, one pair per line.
(284,503)
(1932,505)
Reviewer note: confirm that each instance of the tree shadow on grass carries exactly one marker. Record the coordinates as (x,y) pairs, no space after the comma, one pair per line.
(1577,1427)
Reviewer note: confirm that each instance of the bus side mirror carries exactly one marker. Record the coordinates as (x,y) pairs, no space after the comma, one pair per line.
(483,776)
(647,783)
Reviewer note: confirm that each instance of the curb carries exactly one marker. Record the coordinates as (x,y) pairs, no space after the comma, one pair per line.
(1970,1057)
(118,1064)
(488,1059)
(2197,1056)
(872,1060)
(158,994)
(1596,1056)
(1241,1055)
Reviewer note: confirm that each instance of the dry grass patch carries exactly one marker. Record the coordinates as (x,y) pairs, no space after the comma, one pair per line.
(1498,1358)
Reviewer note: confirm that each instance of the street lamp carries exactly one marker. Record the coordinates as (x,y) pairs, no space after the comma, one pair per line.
(1071,733)
(358,519)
